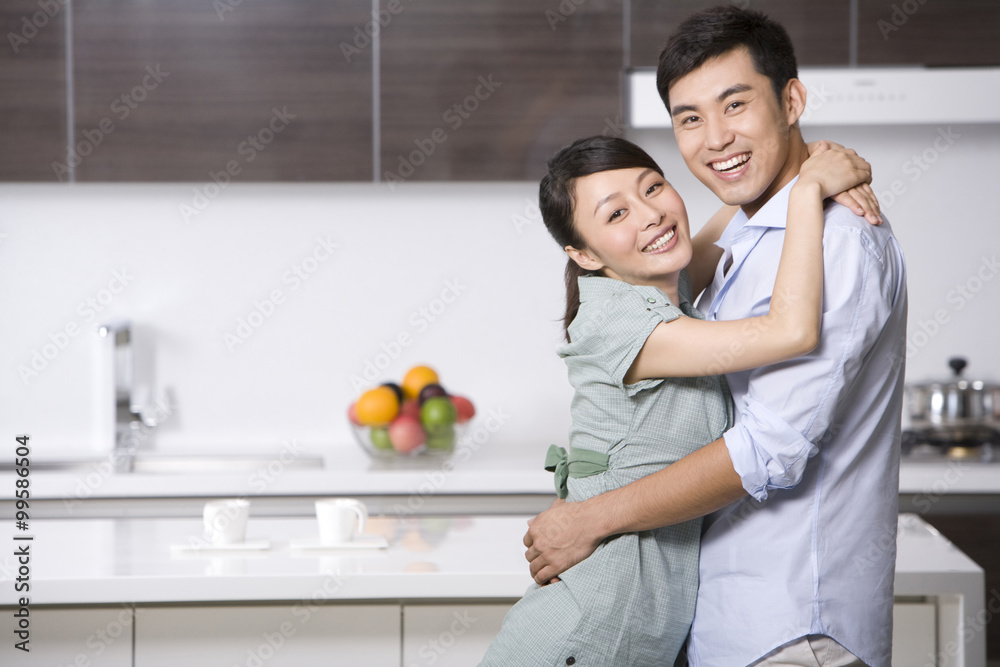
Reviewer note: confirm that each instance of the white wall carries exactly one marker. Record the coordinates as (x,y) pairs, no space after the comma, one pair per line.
(189,284)
(944,217)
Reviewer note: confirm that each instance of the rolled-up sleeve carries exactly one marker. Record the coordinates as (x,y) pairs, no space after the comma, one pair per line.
(788,407)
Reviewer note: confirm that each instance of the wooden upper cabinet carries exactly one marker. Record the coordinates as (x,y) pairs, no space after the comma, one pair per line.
(32,90)
(488,90)
(920,32)
(199,90)
(820,31)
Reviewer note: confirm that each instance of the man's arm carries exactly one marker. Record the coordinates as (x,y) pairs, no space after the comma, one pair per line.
(698,484)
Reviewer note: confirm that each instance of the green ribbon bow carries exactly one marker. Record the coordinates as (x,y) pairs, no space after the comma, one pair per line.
(578,463)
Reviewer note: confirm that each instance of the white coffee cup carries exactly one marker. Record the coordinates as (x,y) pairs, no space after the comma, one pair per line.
(226,521)
(340,519)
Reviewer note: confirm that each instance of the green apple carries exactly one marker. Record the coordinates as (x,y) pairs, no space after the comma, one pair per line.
(437,411)
(441,438)
(380,438)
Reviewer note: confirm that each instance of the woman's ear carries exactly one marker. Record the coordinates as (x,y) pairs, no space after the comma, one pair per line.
(584,259)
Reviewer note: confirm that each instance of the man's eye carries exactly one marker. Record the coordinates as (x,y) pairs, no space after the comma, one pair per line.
(735,105)
(688,120)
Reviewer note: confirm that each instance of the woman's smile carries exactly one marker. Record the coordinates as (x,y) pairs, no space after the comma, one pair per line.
(662,242)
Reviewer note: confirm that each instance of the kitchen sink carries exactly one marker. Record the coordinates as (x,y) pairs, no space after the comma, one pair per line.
(147,463)
(59,465)
(220,463)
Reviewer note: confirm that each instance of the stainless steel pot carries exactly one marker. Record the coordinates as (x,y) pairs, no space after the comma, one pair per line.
(958,410)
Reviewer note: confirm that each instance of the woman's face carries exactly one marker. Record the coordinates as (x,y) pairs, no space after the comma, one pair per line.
(634,226)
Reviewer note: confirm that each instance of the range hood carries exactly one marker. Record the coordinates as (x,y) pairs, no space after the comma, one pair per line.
(862,96)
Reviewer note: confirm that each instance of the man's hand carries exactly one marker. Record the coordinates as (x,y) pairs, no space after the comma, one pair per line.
(559,538)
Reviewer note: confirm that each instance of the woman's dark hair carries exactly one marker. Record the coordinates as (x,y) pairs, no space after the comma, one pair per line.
(716,31)
(556,196)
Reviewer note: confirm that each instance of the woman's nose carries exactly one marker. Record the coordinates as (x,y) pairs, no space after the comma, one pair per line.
(649,216)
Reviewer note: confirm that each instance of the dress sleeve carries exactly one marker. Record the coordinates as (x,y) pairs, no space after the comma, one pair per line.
(615,329)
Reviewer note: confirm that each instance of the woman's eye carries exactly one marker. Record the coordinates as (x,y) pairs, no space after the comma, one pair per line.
(653,188)
(617,214)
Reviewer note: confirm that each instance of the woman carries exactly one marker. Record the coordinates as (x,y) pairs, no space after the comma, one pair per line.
(645,368)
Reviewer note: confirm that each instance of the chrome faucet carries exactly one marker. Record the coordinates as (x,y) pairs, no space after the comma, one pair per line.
(131,425)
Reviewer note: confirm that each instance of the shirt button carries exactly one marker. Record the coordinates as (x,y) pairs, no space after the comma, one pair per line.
(651,300)
(571,660)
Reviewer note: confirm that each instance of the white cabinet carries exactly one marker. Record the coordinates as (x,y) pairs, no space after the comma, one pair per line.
(914,633)
(294,635)
(95,637)
(449,635)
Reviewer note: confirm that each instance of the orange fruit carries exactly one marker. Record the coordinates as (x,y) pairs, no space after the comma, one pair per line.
(416,379)
(377,407)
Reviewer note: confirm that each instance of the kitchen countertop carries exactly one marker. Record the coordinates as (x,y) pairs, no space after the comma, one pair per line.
(348,471)
(135,561)
(345,471)
(938,477)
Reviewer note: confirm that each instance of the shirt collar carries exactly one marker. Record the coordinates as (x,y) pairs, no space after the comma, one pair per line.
(596,287)
(774,213)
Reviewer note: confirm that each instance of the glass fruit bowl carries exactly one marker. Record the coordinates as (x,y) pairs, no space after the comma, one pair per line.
(417,419)
(437,443)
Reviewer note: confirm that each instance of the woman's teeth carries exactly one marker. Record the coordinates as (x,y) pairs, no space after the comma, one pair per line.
(731,163)
(660,242)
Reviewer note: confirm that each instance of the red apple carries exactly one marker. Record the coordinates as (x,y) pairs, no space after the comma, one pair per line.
(464,408)
(352,414)
(406,433)
(410,408)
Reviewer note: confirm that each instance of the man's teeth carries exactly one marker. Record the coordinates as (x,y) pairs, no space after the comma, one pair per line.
(731,163)
(660,242)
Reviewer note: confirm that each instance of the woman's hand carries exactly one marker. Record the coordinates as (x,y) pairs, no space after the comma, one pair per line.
(860,198)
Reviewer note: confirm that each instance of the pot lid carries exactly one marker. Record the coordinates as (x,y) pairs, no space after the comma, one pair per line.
(957,382)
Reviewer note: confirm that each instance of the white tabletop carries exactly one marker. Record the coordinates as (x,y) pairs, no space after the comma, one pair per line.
(136,561)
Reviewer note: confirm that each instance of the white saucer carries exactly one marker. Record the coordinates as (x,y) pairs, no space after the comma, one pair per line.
(361,542)
(206,547)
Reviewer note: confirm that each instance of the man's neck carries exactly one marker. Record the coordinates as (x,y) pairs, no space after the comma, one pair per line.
(798,152)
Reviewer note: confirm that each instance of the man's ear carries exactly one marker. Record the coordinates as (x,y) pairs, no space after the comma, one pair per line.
(583,259)
(795,100)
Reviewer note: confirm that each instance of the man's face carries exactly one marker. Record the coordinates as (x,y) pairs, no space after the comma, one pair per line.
(732,131)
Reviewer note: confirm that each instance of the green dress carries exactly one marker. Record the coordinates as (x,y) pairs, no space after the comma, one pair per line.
(630,603)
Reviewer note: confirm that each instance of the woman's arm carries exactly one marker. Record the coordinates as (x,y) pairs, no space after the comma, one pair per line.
(861,198)
(688,347)
(706,255)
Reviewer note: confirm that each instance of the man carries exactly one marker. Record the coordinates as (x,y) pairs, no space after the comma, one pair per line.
(804,487)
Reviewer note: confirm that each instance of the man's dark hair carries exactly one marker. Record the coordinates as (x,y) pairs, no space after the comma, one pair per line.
(716,31)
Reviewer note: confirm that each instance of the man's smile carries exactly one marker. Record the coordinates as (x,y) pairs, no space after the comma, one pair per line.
(731,164)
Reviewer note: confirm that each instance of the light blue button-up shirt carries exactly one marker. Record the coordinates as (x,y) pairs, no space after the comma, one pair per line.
(812,550)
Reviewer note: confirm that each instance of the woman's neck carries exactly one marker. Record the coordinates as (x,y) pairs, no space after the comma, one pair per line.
(669,287)
(668,284)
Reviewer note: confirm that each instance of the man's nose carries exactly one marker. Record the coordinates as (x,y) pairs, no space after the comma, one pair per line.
(718,135)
